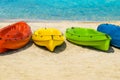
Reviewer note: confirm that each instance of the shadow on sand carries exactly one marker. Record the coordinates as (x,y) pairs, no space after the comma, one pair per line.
(110,50)
(61,48)
(57,50)
(9,52)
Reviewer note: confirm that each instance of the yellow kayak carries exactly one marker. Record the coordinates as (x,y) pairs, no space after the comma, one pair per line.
(48,37)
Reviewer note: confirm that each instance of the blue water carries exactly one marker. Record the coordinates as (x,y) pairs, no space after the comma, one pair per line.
(82,10)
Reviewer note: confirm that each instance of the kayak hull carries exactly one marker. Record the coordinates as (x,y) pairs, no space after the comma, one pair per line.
(113,31)
(14,36)
(88,37)
(48,37)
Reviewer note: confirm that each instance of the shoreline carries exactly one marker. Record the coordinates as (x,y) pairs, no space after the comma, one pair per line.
(38,20)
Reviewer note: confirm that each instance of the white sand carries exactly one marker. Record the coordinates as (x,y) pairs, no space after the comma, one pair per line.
(68,62)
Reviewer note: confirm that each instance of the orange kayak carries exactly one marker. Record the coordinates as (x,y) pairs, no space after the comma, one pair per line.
(14,36)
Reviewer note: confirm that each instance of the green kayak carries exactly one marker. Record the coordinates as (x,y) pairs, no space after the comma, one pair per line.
(88,37)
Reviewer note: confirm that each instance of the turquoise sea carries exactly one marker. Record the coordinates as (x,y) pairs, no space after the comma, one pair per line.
(82,10)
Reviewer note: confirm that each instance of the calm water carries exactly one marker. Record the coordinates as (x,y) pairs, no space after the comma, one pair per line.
(83,10)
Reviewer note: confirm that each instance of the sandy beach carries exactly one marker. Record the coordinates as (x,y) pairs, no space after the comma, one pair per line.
(67,62)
